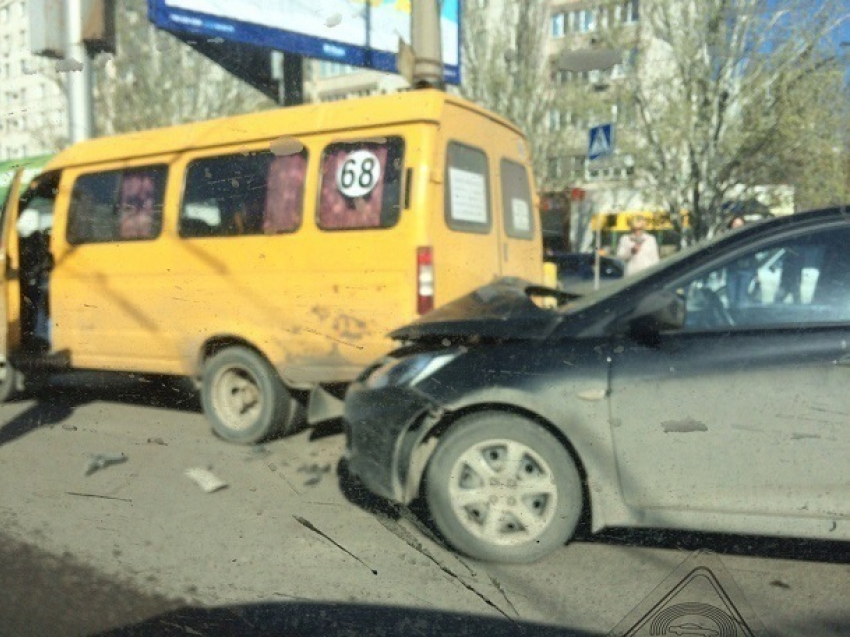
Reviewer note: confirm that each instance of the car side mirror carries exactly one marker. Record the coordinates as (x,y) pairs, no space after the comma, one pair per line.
(657,312)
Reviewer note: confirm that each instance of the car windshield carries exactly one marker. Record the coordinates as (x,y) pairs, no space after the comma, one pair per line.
(612,289)
(301,333)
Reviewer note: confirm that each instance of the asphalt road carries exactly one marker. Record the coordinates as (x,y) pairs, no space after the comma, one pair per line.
(291,546)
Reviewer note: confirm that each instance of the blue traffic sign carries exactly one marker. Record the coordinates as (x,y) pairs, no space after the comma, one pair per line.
(601,142)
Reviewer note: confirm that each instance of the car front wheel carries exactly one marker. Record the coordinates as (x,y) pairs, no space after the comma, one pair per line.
(501,488)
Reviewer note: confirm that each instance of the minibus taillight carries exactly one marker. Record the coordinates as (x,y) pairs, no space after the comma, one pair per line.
(424,279)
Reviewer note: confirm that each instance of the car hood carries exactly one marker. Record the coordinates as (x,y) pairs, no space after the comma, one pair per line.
(503,309)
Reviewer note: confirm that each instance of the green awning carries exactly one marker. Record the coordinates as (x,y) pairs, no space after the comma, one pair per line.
(33,166)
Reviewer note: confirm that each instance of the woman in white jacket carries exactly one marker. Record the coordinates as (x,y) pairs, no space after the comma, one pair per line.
(638,250)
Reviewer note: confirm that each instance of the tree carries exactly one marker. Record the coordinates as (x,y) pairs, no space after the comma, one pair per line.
(506,69)
(808,149)
(156,80)
(713,85)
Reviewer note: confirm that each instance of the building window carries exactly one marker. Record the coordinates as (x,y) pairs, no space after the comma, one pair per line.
(602,17)
(631,11)
(558,25)
(554,120)
(334,69)
(553,167)
(576,167)
(588,21)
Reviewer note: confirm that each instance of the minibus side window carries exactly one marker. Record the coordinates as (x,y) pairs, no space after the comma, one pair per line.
(243,194)
(516,200)
(467,191)
(117,205)
(361,185)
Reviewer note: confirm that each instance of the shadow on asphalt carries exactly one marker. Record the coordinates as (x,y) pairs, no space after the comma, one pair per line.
(56,400)
(307,618)
(45,594)
(358,495)
(722,544)
(327,429)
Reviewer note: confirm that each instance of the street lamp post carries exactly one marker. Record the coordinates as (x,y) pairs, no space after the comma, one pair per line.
(80,124)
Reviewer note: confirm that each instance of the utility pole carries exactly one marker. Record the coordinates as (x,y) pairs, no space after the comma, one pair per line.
(426,41)
(80,120)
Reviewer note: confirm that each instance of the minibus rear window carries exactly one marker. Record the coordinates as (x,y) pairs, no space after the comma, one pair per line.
(361,184)
(516,201)
(467,191)
(117,205)
(243,194)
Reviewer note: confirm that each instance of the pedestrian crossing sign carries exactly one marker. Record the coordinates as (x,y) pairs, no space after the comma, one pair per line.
(601,143)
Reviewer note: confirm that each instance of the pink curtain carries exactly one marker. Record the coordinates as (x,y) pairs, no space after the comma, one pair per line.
(338,211)
(285,194)
(137,212)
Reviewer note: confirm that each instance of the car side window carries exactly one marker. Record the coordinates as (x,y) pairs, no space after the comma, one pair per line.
(467,191)
(241,194)
(516,200)
(801,280)
(117,205)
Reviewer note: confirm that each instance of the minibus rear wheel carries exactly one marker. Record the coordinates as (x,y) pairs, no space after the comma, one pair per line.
(10,380)
(244,397)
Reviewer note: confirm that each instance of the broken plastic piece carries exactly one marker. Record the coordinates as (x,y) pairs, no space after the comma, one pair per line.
(101,461)
(206,479)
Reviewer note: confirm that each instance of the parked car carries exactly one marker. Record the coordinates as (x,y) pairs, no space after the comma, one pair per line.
(655,402)
(576,268)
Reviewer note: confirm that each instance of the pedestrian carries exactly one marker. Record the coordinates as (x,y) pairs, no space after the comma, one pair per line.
(638,249)
(736,222)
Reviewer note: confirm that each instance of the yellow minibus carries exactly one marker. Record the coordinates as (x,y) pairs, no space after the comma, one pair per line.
(268,253)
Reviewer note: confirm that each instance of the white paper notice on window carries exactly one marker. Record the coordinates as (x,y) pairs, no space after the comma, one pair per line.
(520,214)
(469,196)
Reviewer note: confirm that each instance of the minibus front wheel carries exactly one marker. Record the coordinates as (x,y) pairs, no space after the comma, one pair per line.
(244,397)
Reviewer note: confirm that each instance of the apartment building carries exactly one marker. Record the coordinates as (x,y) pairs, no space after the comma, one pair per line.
(331,81)
(591,46)
(32,102)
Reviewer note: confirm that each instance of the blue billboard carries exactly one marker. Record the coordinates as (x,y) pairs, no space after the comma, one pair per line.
(361,33)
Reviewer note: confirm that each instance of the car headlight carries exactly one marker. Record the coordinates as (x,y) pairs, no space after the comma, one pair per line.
(410,370)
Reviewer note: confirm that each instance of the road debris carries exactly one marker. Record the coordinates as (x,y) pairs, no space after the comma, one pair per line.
(316,472)
(157,441)
(205,479)
(257,452)
(102,460)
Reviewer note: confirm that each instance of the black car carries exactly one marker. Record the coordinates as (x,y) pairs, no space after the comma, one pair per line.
(671,399)
(578,268)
